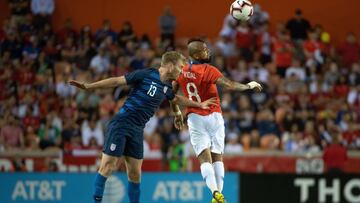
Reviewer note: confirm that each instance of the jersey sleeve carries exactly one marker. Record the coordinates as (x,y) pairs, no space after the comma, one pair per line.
(213,74)
(135,77)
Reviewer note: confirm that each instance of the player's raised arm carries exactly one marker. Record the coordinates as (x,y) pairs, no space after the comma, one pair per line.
(106,83)
(232,85)
(128,79)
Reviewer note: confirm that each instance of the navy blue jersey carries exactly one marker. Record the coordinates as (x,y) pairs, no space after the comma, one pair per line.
(147,93)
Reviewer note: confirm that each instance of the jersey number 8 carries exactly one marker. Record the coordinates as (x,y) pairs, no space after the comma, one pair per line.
(193,91)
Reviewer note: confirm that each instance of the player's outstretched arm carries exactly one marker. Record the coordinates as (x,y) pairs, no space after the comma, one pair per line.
(106,83)
(183,101)
(232,85)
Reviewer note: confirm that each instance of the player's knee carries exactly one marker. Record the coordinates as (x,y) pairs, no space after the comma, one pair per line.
(205,156)
(216,157)
(106,168)
(134,175)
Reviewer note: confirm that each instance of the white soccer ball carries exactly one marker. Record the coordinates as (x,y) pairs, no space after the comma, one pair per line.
(241,10)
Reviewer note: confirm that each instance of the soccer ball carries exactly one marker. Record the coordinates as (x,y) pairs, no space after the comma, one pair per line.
(241,10)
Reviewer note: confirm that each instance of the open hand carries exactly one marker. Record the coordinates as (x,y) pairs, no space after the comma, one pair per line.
(179,122)
(78,84)
(206,104)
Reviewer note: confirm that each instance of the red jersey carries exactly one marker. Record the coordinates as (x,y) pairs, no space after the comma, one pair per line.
(283,53)
(197,82)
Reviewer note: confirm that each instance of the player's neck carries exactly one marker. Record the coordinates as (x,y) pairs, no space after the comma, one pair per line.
(192,59)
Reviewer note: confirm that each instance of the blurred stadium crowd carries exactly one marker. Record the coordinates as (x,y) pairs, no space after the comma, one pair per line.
(311,94)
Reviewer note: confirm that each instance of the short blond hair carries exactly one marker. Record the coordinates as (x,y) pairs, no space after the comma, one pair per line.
(172,57)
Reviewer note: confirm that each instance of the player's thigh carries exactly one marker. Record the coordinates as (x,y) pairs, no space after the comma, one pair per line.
(133,168)
(134,146)
(217,133)
(199,138)
(115,139)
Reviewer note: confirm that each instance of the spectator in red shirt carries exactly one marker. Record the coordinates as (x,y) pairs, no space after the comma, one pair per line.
(24,74)
(31,120)
(67,31)
(49,49)
(283,53)
(69,51)
(313,49)
(244,41)
(349,50)
(341,89)
(335,156)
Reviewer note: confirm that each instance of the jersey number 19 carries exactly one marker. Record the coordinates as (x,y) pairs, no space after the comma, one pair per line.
(193,92)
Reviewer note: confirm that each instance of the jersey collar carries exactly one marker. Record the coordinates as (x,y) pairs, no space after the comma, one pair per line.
(194,62)
(191,62)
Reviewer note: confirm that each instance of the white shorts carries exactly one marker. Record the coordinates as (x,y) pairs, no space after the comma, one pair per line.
(207,132)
